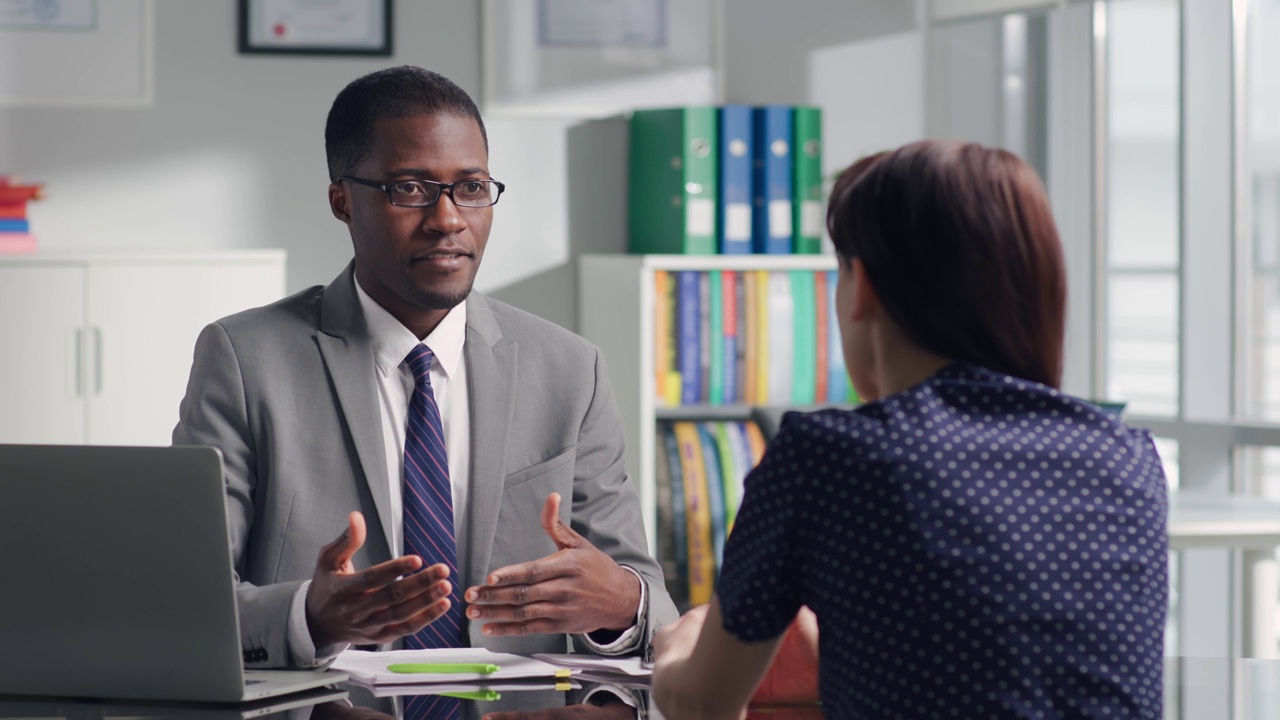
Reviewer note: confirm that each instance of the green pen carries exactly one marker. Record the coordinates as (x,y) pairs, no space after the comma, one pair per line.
(444,668)
(485,695)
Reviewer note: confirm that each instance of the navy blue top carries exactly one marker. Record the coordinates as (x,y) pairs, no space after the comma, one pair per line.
(977,546)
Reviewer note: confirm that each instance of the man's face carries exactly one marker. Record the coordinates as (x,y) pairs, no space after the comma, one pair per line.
(417,262)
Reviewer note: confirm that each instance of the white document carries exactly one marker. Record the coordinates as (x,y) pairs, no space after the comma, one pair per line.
(370,668)
(482,690)
(630,666)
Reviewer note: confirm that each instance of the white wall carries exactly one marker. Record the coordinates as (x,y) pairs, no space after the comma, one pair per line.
(231,154)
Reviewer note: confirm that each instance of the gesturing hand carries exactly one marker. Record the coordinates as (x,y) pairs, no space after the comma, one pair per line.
(578,589)
(376,605)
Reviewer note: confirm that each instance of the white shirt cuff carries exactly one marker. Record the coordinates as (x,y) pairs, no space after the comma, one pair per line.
(631,638)
(303,650)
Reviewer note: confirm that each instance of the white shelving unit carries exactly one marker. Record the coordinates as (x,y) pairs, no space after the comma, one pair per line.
(615,311)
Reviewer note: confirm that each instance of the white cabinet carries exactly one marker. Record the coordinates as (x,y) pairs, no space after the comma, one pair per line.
(96,348)
(615,311)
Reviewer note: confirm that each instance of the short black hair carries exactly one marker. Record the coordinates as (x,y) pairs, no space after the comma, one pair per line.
(395,92)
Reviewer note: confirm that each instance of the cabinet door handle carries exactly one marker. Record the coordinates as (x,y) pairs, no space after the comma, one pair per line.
(79,362)
(97,361)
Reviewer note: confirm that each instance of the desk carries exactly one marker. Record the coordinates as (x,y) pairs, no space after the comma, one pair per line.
(1248,524)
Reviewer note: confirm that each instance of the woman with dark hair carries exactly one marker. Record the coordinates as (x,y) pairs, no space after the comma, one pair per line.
(973,542)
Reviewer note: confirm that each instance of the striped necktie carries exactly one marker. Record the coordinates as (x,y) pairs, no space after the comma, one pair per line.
(428,522)
(428,499)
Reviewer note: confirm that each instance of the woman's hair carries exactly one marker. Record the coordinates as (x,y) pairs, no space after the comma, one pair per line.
(960,246)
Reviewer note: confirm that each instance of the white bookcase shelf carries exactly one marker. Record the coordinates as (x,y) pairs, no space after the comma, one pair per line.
(615,311)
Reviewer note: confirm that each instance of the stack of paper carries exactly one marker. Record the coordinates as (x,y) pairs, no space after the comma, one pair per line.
(630,671)
(445,665)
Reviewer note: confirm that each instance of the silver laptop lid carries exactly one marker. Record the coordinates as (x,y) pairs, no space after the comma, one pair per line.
(121,577)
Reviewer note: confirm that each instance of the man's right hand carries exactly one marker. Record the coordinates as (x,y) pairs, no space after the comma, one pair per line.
(373,606)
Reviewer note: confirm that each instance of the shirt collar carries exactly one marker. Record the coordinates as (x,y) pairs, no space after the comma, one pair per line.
(392,341)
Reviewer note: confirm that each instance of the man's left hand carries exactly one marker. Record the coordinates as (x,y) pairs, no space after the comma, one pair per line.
(579,589)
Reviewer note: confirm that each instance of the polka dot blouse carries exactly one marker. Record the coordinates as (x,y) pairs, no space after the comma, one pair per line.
(977,546)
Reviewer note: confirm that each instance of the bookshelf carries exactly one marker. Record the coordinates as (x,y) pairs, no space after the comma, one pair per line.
(615,302)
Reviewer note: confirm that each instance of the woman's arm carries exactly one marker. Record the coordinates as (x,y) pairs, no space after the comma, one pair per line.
(704,673)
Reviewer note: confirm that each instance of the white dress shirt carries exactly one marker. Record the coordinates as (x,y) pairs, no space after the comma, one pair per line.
(392,342)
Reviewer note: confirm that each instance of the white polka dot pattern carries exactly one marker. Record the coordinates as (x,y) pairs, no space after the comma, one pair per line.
(978,546)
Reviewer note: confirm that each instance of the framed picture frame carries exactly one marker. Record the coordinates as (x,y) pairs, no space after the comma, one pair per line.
(596,58)
(300,27)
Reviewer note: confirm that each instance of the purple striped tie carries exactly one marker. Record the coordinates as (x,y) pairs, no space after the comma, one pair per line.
(428,521)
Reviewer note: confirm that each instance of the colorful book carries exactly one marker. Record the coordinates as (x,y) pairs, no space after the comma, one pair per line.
(736,178)
(742,459)
(730,472)
(804,359)
(673,181)
(781,339)
(664,511)
(820,353)
(688,353)
(763,361)
(16,211)
(743,343)
(678,583)
(716,338)
(837,379)
(663,347)
(18,194)
(750,343)
(730,337)
(772,157)
(14,226)
(704,337)
(756,441)
(715,490)
(674,383)
(13,243)
(697,514)
(806,145)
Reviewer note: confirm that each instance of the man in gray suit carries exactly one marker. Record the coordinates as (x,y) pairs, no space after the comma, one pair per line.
(307,400)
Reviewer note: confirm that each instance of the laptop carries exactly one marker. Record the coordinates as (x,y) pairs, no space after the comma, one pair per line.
(118,578)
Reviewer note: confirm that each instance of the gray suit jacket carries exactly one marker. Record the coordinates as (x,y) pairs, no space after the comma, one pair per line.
(287,393)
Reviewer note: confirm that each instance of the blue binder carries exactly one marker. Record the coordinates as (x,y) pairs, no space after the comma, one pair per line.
(772,158)
(736,179)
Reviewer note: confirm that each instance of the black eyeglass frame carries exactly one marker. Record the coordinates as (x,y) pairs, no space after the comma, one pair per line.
(443,187)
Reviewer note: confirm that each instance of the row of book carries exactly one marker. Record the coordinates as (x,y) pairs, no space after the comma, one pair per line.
(755,337)
(732,180)
(698,479)
(15,227)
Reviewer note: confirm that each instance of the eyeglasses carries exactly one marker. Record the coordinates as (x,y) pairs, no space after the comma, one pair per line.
(425,193)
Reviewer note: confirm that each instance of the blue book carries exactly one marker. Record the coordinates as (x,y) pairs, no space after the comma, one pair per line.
(16,226)
(689,350)
(736,178)
(715,489)
(680,531)
(729,280)
(771,151)
(837,376)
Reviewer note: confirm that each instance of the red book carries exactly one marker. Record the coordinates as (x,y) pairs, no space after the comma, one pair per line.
(16,211)
(820,292)
(17,243)
(18,194)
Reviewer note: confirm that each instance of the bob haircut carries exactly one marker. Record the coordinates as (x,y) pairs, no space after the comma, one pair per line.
(961,248)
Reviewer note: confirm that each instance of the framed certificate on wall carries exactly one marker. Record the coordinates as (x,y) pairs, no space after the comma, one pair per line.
(316,27)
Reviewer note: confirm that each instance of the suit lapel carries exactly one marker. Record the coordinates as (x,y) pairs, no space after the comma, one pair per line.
(348,355)
(491,377)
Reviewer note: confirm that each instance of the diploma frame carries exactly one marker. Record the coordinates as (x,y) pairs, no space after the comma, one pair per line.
(249,9)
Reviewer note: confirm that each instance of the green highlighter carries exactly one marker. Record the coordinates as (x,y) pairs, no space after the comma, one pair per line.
(485,695)
(444,668)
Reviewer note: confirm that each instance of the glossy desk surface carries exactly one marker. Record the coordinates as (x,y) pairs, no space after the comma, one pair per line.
(1195,688)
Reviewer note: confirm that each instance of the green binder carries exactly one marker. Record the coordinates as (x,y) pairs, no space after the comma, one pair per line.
(807,209)
(673,190)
